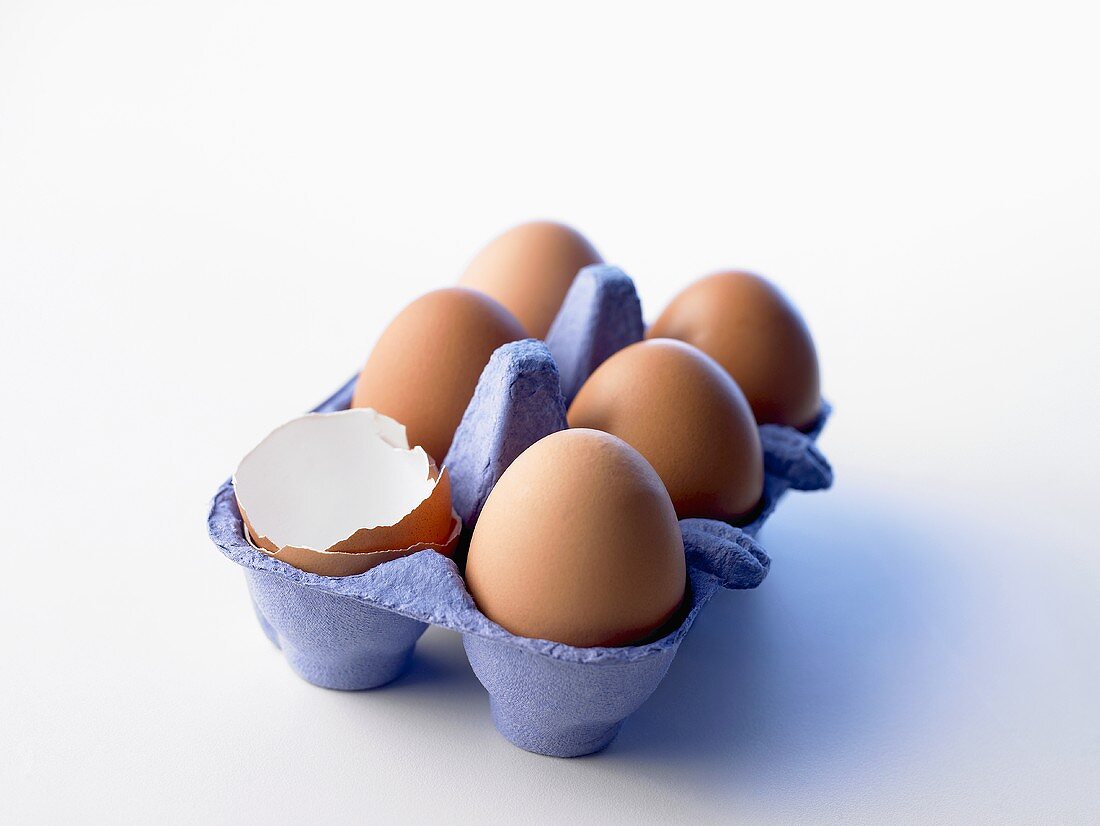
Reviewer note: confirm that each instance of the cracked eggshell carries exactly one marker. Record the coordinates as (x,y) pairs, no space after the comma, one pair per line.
(578,543)
(529,269)
(338,493)
(746,324)
(424,368)
(677,407)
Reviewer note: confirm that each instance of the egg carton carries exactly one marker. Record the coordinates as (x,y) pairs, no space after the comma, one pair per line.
(359,632)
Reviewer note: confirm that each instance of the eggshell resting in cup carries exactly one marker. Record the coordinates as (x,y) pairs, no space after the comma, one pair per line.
(358,632)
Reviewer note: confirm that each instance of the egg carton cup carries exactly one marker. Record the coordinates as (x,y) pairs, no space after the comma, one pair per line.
(359,632)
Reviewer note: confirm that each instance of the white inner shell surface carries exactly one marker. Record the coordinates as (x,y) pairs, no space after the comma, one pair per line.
(319,478)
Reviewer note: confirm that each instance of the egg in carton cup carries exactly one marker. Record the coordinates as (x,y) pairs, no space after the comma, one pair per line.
(358,630)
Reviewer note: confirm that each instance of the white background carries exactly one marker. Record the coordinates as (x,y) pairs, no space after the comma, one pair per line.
(208,212)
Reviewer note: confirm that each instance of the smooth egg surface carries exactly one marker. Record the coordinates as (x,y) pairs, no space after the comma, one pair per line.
(529,269)
(749,327)
(425,367)
(677,407)
(578,543)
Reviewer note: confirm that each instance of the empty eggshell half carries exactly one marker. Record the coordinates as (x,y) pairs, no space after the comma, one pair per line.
(338,493)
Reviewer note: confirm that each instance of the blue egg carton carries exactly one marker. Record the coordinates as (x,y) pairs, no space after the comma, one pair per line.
(359,632)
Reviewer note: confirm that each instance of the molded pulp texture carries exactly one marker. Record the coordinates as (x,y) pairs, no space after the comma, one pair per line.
(359,632)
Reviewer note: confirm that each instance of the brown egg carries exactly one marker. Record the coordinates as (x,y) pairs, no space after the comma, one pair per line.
(677,407)
(529,270)
(748,326)
(578,543)
(424,368)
